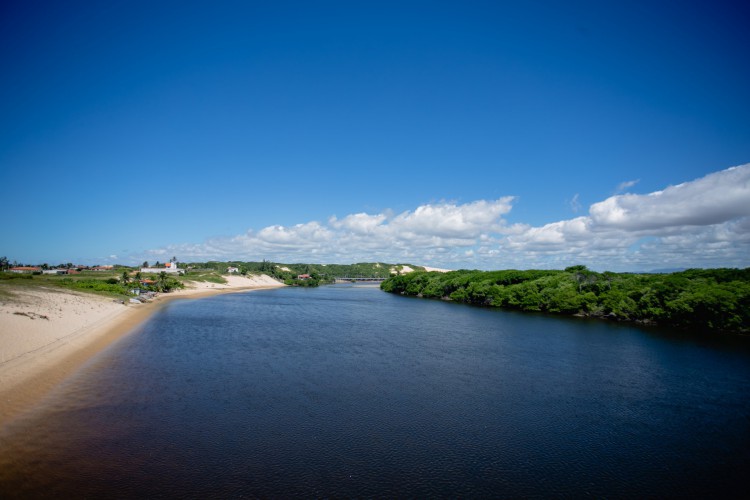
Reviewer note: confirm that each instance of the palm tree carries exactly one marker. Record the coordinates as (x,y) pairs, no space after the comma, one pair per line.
(161,283)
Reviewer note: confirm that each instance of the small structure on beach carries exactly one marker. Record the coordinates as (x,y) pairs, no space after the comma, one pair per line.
(233,270)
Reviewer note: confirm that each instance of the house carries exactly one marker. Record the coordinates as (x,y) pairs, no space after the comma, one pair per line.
(303,277)
(55,271)
(233,270)
(102,268)
(25,270)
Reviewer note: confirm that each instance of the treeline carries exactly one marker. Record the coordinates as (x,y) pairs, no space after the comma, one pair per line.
(711,299)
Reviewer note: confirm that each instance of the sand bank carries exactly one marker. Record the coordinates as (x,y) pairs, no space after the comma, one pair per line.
(47,334)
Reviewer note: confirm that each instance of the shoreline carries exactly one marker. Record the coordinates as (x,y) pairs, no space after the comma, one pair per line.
(27,377)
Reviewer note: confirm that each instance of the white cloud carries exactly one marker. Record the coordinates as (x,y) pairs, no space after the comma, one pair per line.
(431,231)
(361,223)
(705,222)
(308,234)
(447,220)
(713,199)
(625,185)
(575,204)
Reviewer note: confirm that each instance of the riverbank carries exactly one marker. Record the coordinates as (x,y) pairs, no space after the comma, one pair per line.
(47,334)
(710,300)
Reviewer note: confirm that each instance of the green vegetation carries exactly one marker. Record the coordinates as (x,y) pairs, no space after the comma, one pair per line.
(164,283)
(708,299)
(120,280)
(13,276)
(289,273)
(93,282)
(115,283)
(109,286)
(6,295)
(208,274)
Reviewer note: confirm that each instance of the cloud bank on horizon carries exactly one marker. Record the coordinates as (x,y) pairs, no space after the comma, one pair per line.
(701,223)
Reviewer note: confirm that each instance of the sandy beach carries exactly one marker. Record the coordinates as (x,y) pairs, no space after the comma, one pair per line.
(46,334)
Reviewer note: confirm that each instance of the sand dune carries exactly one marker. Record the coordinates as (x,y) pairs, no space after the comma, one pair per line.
(233,282)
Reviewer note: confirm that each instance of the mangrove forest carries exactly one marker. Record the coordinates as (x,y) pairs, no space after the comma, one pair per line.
(706,299)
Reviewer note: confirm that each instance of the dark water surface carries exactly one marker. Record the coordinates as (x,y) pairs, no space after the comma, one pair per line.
(351,392)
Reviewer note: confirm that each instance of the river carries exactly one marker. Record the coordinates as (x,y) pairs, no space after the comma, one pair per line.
(346,391)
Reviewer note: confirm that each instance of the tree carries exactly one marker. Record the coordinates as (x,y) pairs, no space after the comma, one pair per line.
(125,278)
(578,268)
(4,264)
(161,282)
(165,283)
(145,263)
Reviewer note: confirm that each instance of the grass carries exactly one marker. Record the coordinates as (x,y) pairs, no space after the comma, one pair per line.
(92,282)
(6,295)
(210,275)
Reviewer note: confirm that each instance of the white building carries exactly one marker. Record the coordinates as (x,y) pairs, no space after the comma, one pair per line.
(55,271)
(169,268)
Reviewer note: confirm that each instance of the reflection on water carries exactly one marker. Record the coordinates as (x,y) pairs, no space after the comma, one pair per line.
(347,391)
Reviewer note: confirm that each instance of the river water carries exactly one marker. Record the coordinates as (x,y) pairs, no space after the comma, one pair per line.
(346,391)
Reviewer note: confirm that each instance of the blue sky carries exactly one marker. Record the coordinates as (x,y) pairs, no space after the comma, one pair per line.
(449,134)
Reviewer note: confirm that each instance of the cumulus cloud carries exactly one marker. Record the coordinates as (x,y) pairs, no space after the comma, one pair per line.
(361,223)
(431,231)
(446,220)
(704,222)
(713,199)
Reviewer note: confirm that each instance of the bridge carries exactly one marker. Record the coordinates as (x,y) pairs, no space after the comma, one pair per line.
(347,279)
